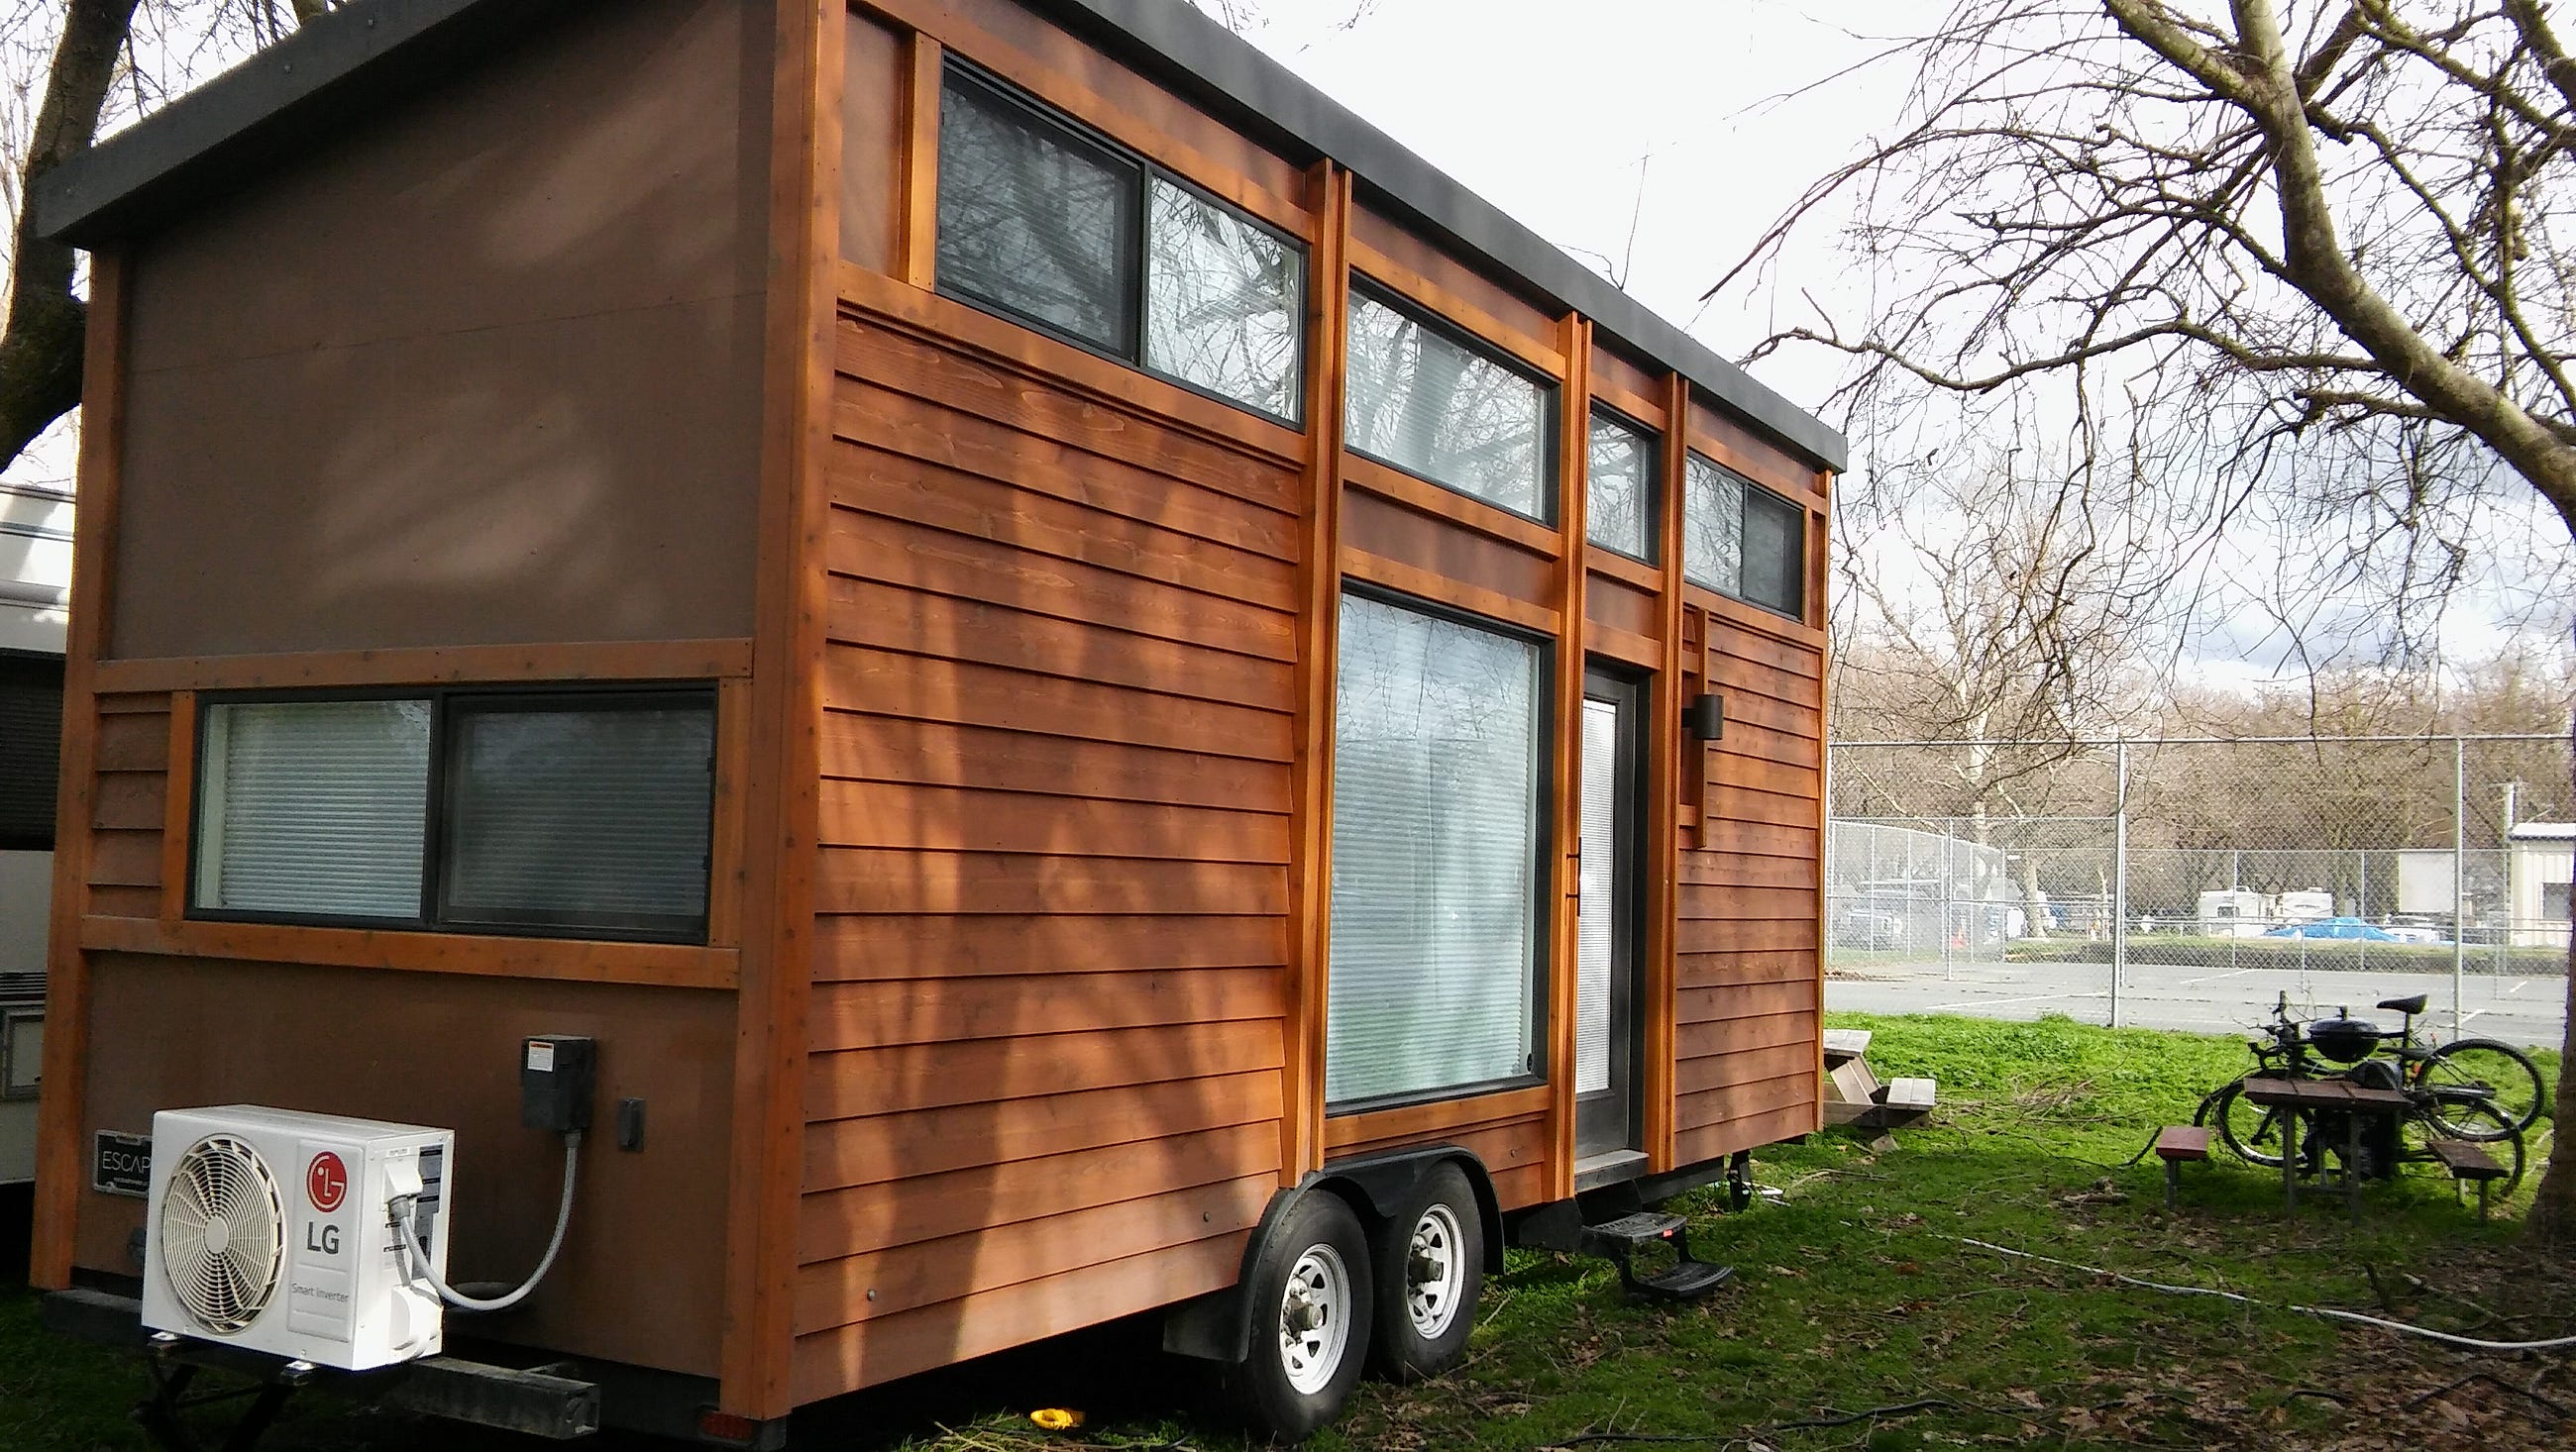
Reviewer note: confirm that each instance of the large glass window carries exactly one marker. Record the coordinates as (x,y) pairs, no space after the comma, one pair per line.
(1043,221)
(571,816)
(1741,539)
(1436,889)
(1034,219)
(313,808)
(1619,487)
(483,811)
(1431,405)
(1224,302)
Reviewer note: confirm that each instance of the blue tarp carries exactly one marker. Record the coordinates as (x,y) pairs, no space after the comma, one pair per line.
(2336,928)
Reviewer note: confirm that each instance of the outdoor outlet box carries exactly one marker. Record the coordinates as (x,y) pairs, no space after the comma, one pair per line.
(557,1074)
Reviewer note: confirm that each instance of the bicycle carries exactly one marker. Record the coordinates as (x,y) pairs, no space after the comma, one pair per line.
(2447,1100)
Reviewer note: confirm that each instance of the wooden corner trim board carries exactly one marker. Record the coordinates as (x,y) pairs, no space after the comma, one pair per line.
(1664,815)
(1565,851)
(60,1171)
(602,660)
(1301,1126)
(782,795)
(178,802)
(570,960)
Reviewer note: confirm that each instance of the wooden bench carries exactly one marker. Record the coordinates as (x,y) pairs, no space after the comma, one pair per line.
(2467,1162)
(2176,1143)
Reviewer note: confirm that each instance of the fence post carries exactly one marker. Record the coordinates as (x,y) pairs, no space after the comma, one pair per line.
(2459,879)
(2120,886)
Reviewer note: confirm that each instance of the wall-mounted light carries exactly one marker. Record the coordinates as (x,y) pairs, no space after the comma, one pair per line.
(1704,718)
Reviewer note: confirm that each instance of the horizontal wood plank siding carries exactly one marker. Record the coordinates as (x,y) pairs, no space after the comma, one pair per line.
(1045,1042)
(1749,952)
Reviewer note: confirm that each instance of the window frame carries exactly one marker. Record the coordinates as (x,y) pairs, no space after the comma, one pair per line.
(1551,394)
(1137,269)
(1543,840)
(1654,500)
(438,801)
(1751,488)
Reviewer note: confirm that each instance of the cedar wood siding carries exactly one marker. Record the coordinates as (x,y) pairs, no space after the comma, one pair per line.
(484,373)
(1749,946)
(1046,1022)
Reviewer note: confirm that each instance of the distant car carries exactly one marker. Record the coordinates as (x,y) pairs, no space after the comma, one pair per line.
(2349,929)
(1868,928)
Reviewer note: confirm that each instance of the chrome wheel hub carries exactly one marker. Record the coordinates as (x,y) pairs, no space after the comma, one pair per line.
(1435,1276)
(1315,1319)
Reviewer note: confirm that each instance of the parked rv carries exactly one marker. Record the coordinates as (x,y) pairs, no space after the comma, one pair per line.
(35,568)
(839,687)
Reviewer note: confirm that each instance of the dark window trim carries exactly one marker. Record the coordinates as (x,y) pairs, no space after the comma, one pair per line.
(1542,943)
(600,696)
(1804,525)
(1549,393)
(1139,269)
(1654,483)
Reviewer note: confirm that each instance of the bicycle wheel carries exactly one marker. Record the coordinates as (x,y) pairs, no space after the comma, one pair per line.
(2473,1122)
(2250,1130)
(2469,1072)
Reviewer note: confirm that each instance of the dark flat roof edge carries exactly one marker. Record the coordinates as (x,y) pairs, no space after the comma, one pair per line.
(289,99)
(298,93)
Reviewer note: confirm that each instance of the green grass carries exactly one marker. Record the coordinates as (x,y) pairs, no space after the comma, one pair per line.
(1854,1291)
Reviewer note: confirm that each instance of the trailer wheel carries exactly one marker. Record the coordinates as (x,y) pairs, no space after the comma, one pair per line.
(1430,1261)
(1310,1320)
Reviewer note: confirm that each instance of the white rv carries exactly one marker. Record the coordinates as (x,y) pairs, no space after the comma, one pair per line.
(35,572)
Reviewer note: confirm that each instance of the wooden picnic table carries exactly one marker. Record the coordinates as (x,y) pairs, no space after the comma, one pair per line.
(2354,1101)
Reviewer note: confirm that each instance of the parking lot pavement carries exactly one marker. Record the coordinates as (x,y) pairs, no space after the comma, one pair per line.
(2202,999)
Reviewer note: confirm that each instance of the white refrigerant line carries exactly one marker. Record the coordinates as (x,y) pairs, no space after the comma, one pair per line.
(2445,1337)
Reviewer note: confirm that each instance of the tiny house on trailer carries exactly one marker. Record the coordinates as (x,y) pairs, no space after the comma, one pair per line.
(1098,691)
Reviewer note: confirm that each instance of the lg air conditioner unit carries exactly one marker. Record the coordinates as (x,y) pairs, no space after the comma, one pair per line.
(272,1230)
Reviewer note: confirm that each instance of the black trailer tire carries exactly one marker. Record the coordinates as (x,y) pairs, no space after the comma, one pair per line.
(1309,1299)
(1430,1270)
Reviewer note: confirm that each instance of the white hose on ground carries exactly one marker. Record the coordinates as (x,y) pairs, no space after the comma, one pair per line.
(554,1247)
(2445,1337)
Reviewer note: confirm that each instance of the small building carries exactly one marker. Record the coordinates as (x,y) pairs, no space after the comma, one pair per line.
(1052,643)
(2540,861)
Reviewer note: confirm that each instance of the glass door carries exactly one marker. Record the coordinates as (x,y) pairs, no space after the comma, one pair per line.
(1607,919)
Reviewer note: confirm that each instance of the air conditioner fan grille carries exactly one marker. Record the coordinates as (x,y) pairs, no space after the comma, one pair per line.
(222,1233)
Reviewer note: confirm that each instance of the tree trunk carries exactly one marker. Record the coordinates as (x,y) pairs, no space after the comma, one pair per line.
(40,353)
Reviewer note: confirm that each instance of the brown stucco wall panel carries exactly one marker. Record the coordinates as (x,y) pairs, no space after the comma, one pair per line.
(643,1262)
(484,373)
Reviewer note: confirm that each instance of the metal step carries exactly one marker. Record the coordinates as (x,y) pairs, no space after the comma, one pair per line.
(1687,1281)
(1615,1238)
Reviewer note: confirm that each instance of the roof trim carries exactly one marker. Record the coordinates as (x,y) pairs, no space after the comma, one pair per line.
(286,101)
(2543,832)
(354,61)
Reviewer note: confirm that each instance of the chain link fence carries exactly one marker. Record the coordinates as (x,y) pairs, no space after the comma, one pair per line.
(2190,883)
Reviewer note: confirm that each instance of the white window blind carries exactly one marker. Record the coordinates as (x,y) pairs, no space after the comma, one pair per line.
(314,807)
(1619,491)
(1424,402)
(1435,856)
(1224,302)
(578,817)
